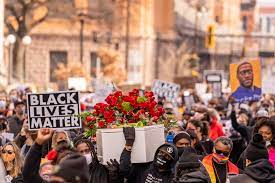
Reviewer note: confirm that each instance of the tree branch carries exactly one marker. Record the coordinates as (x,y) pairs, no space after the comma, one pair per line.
(10,27)
(32,25)
(13,12)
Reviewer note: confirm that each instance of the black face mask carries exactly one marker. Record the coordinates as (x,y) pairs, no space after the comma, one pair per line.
(162,163)
(180,150)
(65,142)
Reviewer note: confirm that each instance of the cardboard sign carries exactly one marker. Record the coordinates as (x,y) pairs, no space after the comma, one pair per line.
(165,89)
(54,110)
(245,81)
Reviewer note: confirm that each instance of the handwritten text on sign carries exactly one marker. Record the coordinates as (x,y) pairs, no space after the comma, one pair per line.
(54,110)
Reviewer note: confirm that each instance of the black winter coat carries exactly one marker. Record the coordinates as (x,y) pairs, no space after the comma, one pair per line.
(260,171)
(194,177)
(134,173)
(32,165)
(245,131)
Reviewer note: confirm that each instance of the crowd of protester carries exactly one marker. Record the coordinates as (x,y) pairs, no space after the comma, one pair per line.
(218,141)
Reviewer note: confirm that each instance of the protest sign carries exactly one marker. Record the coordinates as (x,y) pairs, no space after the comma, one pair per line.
(102,90)
(56,110)
(245,81)
(165,89)
(78,83)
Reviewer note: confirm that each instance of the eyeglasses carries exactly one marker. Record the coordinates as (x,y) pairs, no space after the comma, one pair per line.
(221,152)
(7,152)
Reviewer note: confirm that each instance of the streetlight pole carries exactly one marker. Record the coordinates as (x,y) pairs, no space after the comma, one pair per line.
(11,40)
(26,41)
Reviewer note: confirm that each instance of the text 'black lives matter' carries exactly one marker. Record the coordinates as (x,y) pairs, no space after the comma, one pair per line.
(57,110)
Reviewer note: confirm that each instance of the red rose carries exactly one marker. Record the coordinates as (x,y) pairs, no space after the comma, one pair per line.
(161,110)
(148,94)
(110,119)
(82,107)
(92,126)
(108,114)
(90,118)
(118,94)
(101,124)
(134,92)
(52,155)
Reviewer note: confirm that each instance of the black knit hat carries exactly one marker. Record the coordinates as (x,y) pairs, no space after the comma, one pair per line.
(181,135)
(256,149)
(73,169)
(189,159)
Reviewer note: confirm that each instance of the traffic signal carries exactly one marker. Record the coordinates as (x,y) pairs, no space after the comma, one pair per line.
(210,37)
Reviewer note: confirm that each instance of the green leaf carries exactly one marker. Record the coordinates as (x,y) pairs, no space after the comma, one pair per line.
(141,99)
(127,106)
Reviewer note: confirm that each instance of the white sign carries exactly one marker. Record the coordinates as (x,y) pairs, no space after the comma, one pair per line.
(165,89)
(102,90)
(78,83)
(56,110)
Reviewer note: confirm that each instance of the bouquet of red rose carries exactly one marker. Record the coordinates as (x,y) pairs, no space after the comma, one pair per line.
(119,110)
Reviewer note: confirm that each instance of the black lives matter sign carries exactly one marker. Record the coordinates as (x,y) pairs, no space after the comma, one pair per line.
(57,110)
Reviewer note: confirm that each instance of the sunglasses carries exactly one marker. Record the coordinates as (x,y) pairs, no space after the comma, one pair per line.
(7,152)
(221,152)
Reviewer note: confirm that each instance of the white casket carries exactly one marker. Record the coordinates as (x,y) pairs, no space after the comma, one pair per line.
(111,142)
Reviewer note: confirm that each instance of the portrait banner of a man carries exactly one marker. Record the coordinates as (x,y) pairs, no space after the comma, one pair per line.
(245,81)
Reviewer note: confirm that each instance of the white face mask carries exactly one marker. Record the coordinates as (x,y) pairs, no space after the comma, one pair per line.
(88,158)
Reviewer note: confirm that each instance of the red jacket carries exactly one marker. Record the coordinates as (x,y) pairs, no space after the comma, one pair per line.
(215,129)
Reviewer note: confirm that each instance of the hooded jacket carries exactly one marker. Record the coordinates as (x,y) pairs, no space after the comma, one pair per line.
(142,172)
(260,171)
(153,175)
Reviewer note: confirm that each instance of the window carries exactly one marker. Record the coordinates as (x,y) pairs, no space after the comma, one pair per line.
(268,24)
(245,23)
(260,24)
(93,63)
(134,67)
(56,57)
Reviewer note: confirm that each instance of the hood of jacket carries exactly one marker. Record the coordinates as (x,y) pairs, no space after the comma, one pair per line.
(261,171)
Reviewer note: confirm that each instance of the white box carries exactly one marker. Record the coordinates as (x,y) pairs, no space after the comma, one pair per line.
(111,142)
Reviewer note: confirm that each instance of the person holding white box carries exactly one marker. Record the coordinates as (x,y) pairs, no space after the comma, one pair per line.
(160,170)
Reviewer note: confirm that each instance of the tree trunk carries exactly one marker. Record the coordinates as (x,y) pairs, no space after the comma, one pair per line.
(18,60)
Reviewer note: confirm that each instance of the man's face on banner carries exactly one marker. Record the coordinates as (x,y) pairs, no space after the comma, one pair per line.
(245,75)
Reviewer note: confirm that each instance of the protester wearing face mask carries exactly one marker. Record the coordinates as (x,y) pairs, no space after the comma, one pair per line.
(16,121)
(217,164)
(97,171)
(158,171)
(181,141)
(203,144)
(60,137)
(10,155)
(258,168)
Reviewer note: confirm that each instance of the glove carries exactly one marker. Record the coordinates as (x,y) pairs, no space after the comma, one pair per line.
(113,169)
(129,135)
